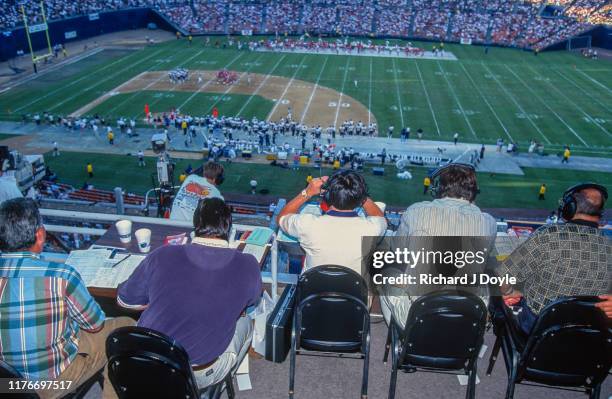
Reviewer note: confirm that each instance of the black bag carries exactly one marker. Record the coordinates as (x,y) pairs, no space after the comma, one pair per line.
(278,326)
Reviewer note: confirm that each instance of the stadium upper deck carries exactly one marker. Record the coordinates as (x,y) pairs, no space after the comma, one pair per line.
(508,23)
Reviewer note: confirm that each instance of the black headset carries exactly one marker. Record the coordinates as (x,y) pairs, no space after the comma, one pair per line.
(568,205)
(434,189)
(220,179)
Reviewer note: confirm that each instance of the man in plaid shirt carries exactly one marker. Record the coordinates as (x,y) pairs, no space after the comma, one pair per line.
(560,260)
(50,326)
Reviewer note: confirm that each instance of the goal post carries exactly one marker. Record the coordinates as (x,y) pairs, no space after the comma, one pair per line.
(37,28)
(578,42)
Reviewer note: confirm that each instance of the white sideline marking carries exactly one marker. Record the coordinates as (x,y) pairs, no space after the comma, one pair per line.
(341,93)
(457,99)
(516,103)
(52,68)
(427,97)
(285,91)
(80,92)
(486,101)
(399,98)
(68,85)
(262,84)
(314,90)
(547,106)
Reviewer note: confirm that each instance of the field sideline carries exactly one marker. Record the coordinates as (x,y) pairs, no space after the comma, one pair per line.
(556,98)
(497,191)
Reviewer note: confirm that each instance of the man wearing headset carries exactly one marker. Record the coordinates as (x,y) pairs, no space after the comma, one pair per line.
(334,238)
(569,259)
(196,188)
(451,213)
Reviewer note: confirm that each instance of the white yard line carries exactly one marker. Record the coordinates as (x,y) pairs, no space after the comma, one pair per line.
(110,111)
(576,106)
(456,99)
(516,103)
(370,96)
(595,81)
(98,83)
(262,84)
(399,97)
(314,90)
(139,91)
(232,86)
(547,106)
(346,67)
(590,96)
(208,82)
(433,114)
(585,91)
(462,154)
(85,108)
(151,104)
(278,101)
(80,57)
(52,92)
(486,102)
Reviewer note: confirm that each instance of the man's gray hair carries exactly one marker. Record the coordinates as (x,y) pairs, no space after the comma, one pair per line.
(19,221)
(586,205)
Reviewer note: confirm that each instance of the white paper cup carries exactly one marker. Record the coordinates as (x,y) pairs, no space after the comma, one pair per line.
(143,237)
(124,228)
(381,205)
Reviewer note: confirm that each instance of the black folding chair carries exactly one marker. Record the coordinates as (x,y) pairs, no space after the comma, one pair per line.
(331,318)
(8,371)
(143,363)
(570,345)
(443,333)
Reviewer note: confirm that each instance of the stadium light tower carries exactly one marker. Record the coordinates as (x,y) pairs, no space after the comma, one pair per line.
(31,29)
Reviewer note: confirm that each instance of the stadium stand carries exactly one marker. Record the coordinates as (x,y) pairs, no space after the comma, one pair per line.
(492,21)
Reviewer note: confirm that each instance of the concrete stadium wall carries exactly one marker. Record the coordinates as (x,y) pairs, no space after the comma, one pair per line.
(83,26)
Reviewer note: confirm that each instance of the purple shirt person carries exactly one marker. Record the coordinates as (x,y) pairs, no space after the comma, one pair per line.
(197,294)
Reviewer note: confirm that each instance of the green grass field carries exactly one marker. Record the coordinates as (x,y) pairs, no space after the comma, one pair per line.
(556,98)
(499,191)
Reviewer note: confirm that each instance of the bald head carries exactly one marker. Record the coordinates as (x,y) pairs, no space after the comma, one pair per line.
(589,204)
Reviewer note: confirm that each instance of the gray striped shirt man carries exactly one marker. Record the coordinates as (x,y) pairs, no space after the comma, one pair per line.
(440,217)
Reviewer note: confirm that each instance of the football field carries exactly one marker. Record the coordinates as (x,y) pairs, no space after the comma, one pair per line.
(556,98)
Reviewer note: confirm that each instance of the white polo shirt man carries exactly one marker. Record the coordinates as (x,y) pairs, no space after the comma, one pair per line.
(333,238)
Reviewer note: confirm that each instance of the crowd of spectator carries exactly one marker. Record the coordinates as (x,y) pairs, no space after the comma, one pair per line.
(356,20)
(283,17)
(471,26)
(319,18)
(393,21)
(245,17)
(430,24)
(512,23)
(211,17)
(602,16)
